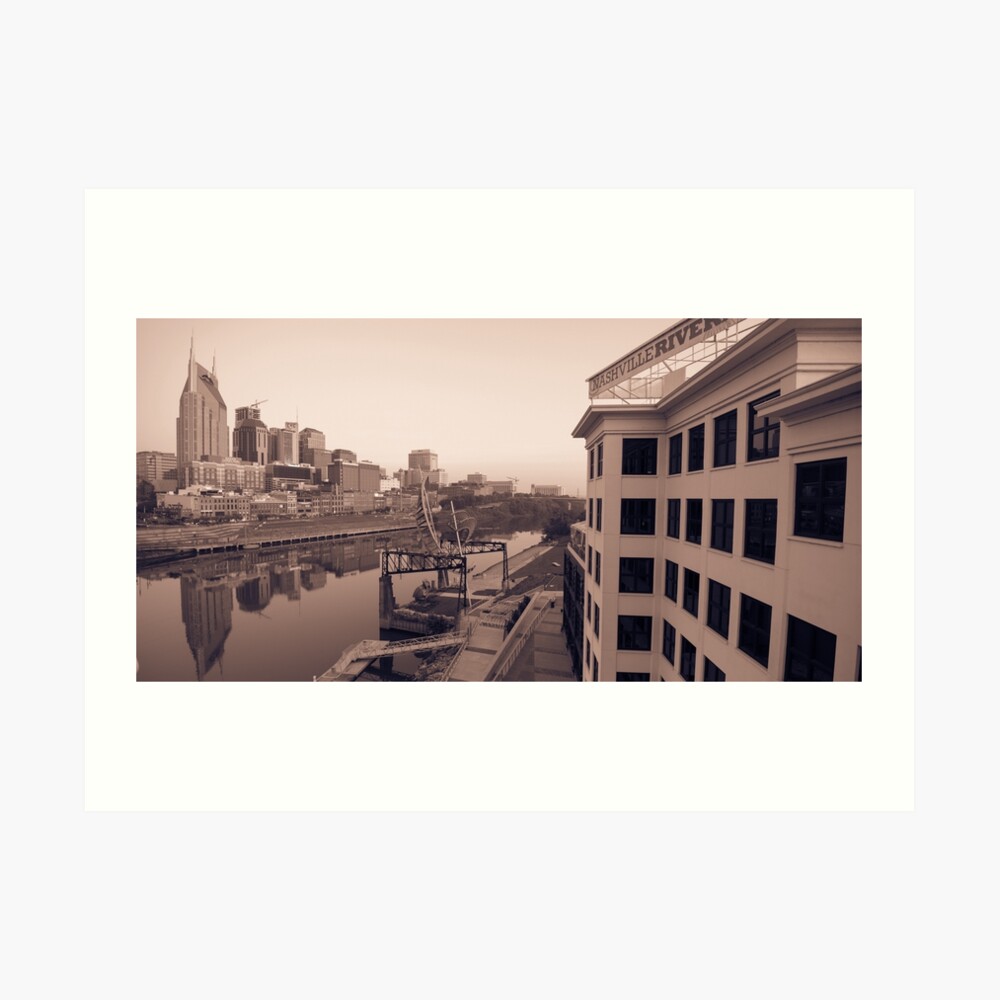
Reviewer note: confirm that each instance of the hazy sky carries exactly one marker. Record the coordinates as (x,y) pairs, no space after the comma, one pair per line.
(493,396)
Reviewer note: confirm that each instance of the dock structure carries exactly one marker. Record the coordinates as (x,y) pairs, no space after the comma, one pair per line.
(360,655)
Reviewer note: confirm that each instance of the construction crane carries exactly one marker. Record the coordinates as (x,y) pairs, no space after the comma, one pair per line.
(513,479)
(257,402)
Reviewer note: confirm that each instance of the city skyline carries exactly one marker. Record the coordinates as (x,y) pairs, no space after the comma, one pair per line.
(384,388)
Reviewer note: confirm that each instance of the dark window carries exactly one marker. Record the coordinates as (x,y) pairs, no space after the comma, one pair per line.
(722,524)
(635,632)
(694,521)
(639,457)
(600,459)
(597,670)
(597,567)
(635,576)
(638,517)
(597,620)
(692,584)
(755,628)
(676,446)
(588,607)
(591,463)
(811,652)
(762,432)
(760,529)
(674,518)
(590,512)
(718,608)
(630,676)
(600,512)
(696,448)
(590,560)
(669,640)
(820,488)
(725,439)
(712,672)
(671,587)
(588,652)
(688,654)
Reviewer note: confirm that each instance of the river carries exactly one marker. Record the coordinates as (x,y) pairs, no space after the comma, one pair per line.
(276,614)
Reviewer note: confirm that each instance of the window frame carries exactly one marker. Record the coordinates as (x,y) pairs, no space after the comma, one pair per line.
(815,664)
(671,579)
(639,456)
(675,454)
(669,639)
(770,449)
(820,501)
(719,607)
(689,660)
(637,519)
(694,503)
(754,636)
(629,632)
(631,570)
(724,526)
(725,436)
(674,517)
(696,448)
(691,592)
(751,530)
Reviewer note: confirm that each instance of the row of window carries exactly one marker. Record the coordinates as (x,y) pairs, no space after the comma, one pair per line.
(590,513)
(820,496)
(809,656)
(639,454)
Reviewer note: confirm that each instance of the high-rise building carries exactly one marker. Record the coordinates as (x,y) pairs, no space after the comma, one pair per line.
(343,455)
(476,479)
(723,520)
(202,428)
(284,444)
(423,459)
(310,440)
(250,436)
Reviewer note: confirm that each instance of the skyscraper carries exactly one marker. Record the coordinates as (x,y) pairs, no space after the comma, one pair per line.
(202,428)
(250,437)
(423,459)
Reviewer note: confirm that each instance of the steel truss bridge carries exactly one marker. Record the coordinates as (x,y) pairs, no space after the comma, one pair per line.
(449,557)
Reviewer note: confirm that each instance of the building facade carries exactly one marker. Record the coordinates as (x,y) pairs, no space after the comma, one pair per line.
(153,465)
(545,490)
(723,528)
(228,474)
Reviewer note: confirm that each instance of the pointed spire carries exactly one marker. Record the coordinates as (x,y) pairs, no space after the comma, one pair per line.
(213,367)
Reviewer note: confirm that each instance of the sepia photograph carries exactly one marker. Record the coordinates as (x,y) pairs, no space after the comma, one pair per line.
(498,500)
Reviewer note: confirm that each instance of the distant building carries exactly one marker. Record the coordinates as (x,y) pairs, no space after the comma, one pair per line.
(476,479)
(501,487)
(197,503)
(344,474)
(369,476)
(423,459)
(310,438)
(226,474)
(251,440)
(284,444)
(286,477)
(343,455)
(545,491)
(202,428)
(154,465)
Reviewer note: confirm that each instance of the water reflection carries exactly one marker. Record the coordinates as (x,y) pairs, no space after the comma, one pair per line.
(267,614)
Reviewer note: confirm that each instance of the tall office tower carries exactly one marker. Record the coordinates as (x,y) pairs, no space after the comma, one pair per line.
(310,442)
(250,436)
(283,445)
(202,430)
(423,459)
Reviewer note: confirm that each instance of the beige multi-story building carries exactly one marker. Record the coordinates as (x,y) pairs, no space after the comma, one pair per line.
(539,490)
(723,530)
(228,474)
(154,465)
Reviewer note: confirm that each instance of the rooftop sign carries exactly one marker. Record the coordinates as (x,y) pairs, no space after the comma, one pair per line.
(664,345)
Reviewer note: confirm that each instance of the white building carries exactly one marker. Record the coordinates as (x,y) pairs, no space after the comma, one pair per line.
(724,505)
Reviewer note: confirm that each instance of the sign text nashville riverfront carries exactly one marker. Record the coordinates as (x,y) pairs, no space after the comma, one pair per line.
(662,346)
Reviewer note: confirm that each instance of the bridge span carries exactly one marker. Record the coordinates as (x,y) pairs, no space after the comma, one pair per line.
(355,658)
